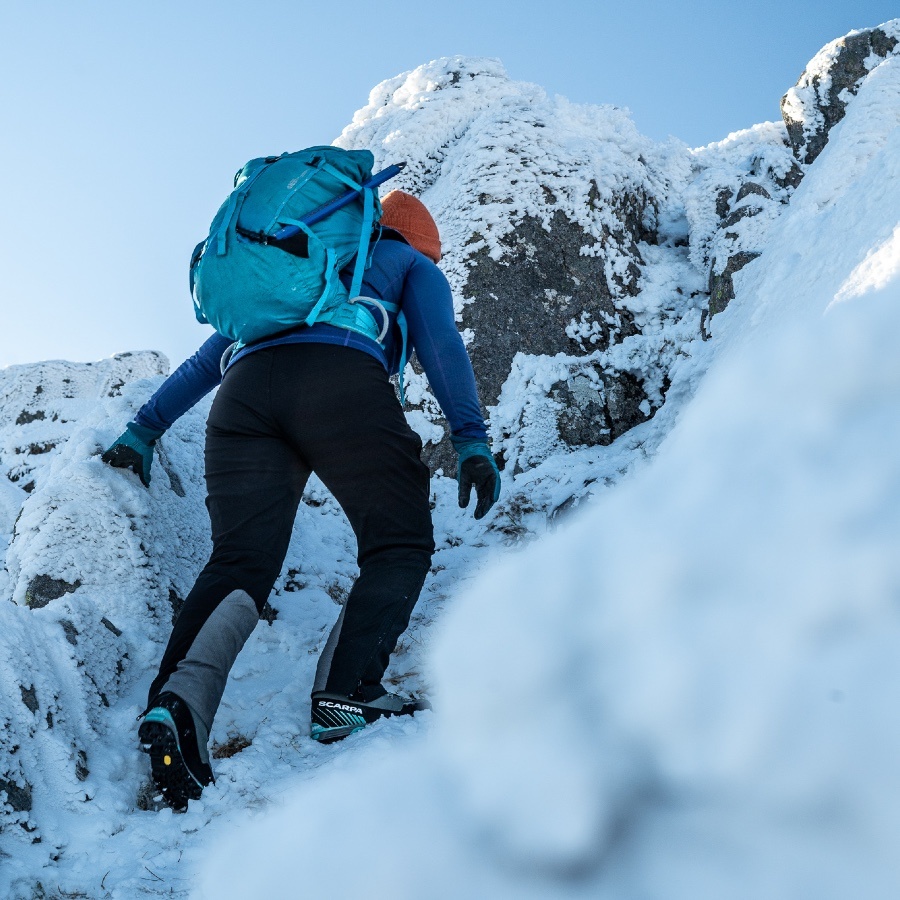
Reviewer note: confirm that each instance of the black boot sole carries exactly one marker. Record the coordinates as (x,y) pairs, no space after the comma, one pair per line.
(167,768)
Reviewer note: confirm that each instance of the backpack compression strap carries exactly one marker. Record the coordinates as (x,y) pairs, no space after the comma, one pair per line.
(368,199)
(234,207)
(401,324)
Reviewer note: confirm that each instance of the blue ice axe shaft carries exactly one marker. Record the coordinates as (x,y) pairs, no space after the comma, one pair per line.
(326,209)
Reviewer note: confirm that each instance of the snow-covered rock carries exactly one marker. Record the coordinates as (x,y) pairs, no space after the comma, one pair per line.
(93,566)
(738,192)
(551,216)
(833,77)
(42,403)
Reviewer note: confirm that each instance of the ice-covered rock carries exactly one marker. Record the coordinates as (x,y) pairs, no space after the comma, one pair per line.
(548,211)
(738,191)
(831,79)
(93,563)
(41,404)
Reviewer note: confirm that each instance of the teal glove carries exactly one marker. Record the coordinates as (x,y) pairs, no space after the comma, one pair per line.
(133,450)
(477,469)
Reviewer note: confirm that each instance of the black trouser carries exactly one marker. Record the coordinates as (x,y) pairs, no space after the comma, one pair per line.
(280,414)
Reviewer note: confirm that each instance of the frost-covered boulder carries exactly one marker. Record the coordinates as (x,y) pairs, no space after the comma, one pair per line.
(93,564)
(548,211)
(95,567)
(738,191)
(831,79)
(41,403)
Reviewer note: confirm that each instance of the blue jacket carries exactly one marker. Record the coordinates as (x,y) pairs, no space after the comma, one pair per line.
(398,274)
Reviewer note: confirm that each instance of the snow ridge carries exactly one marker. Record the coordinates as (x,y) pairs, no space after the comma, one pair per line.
(490,157)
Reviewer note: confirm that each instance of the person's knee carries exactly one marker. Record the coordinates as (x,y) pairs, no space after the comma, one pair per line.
(413,559)
(246,569)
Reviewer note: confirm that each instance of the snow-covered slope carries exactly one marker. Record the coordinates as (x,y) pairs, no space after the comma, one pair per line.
(666,697)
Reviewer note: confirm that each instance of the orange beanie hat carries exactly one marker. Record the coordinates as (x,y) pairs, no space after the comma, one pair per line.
(410,216)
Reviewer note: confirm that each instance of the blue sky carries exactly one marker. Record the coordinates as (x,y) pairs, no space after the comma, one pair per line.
(123,123)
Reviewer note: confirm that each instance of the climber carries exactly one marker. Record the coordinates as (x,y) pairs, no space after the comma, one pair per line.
(313,399)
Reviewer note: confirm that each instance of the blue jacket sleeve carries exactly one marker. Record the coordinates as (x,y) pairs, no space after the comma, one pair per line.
(188,384)
(428,305)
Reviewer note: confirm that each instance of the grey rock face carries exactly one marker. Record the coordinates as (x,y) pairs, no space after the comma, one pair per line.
(29,697)
(525,301)
(596,413)
(18,796)
(819,100)
(721,285)
(42,589)
(750,187)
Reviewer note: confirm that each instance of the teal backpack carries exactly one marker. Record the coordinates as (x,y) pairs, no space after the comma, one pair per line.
(264,269)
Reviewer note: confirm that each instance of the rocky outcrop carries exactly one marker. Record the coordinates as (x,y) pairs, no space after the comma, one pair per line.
(525,301)
(41,404)
(741,184)
(550,214)
(721,284)
(740,188)
(91,560)
(546,211)
(819,99)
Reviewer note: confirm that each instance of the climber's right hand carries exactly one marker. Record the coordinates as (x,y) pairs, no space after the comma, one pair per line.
(478,469)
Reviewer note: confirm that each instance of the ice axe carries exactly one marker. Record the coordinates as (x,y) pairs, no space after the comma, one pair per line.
(326,209)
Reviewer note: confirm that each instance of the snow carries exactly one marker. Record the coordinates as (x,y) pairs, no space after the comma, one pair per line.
(804,101)
(11,500)
(484,151)
(661,668)
(880,267)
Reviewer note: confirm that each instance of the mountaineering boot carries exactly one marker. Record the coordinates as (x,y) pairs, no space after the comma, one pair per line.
(335,716)
(176,743)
